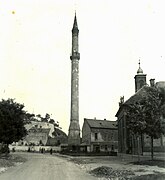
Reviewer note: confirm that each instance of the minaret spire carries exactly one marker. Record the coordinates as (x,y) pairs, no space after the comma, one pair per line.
(74,128)
(75,25)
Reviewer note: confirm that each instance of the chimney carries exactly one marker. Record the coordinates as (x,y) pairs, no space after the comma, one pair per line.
(121,101)
(152,82)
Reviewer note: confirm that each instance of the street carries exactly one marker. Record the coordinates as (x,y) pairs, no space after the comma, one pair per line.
(45,167)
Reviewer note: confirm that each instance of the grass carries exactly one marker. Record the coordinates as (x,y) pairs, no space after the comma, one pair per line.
(159,163)
(10,160)
(108,172)
(150,177)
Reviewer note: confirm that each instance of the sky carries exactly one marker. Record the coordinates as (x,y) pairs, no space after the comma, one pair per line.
(35,48)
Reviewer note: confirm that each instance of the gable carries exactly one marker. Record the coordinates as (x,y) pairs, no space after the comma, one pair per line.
(134,98)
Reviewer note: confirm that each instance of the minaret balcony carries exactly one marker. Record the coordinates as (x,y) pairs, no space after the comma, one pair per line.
(75,31)
(75,55)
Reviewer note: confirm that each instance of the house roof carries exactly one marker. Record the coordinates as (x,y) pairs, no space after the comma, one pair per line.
(40,124)
(105,124)
(160,84)
(58,132)
(134,98)
(139,95)
(144,92)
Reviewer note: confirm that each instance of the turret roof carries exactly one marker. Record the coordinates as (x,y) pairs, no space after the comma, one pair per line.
(139,71)
(75,25)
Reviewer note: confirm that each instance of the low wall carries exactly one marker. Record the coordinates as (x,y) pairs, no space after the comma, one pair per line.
(35,148)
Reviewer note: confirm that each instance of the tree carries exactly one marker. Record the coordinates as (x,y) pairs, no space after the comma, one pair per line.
(55,123)
(29,117)
(39,116)
(52,121)
(144,116)
(44,119)
(162,96)
(12,121)
(47,117)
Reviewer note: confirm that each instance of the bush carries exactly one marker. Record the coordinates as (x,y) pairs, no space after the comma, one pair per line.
(4,149)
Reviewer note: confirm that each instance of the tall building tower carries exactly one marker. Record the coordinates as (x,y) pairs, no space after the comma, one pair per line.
(74,128)
(140,79)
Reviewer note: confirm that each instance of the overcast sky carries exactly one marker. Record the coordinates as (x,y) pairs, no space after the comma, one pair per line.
(35,47)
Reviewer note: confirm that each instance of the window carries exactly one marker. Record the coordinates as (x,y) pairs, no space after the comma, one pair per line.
(112,148)
(96,136)
(141,83)
(58,142)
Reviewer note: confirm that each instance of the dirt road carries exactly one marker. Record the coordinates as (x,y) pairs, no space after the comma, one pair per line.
(45,167)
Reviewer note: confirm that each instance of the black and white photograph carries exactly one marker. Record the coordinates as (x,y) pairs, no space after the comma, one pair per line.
(82,90)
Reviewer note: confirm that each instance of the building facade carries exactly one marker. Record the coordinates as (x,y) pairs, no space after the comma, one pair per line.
(43,133)
(37,136)
(100,135)
(128,143)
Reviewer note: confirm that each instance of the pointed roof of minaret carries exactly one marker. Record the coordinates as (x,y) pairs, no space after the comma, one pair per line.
(75,21)
(75,26)
(139,71)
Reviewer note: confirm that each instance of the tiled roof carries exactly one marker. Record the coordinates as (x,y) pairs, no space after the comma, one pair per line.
(101,124)
(40,124)
(160,84)
(134,98)
(143,92)
(138,95)
(58,132)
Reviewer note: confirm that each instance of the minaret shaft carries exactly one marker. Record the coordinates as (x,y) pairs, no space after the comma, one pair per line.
(74,128)
(75,90)
(75,44)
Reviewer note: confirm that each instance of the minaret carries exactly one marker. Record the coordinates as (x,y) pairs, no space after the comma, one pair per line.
(140,79)
(74,128)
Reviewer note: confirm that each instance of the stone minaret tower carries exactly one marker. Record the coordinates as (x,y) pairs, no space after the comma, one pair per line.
(74,128)
(140,79)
